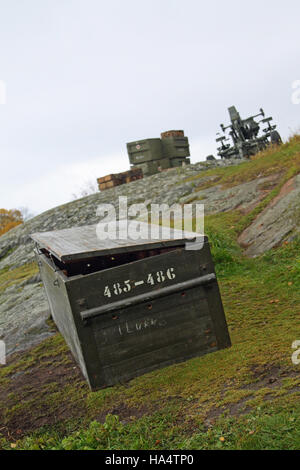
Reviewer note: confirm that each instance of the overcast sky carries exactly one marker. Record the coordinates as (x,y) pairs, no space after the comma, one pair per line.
(83,77)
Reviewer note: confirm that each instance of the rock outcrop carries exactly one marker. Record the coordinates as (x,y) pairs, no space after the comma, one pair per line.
(276,222)
(23,306)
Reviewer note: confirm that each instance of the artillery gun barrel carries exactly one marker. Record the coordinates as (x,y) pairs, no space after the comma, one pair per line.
(245,135)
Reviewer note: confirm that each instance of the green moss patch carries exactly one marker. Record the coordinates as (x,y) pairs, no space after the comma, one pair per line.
(10,277)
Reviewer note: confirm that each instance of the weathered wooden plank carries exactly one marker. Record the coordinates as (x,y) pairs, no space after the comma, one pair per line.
(155,338)
(165,307)
(149,297)
(174,308)
(184,265)
(169,323)
(128,369)
(83,242)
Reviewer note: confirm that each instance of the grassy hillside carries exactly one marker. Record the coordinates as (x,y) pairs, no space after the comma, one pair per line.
(246,397)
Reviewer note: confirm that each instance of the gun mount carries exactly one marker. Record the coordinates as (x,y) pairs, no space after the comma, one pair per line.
(245,135)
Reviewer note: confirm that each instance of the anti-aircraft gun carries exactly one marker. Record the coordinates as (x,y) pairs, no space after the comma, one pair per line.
(245,135)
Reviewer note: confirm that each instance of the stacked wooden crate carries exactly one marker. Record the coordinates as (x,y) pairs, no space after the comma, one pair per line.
(116,179)
(176,148)
(155,155)
(166,135)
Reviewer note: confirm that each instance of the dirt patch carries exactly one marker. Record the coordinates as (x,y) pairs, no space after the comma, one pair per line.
(24,401)
(43,375)
(265,377)
(268,377)
(235,409)
(40,397)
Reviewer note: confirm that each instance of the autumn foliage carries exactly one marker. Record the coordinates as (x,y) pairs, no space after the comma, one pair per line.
(9,219)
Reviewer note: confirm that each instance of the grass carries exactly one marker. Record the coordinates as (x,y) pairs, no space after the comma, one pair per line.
(257,431)
(274,160)
(169,408)
(245,397)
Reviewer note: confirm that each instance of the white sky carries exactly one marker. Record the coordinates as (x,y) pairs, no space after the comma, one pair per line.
(84,77)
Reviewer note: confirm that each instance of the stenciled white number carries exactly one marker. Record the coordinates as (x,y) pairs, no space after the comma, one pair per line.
(127,287)
(160,276)
(107,292)
(152,279)
(171,273)
(117,289)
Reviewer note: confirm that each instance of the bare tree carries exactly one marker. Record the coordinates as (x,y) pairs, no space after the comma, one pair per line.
(26,213)
(88,188)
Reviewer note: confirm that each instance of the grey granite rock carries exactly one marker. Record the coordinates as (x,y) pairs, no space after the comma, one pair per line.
(23,306)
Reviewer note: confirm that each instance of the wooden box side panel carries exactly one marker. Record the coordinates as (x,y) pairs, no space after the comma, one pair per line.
(60,309)
(175,329)
(136,339)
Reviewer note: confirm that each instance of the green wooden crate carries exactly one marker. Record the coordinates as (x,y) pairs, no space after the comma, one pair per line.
(144,151)
(153,167)
(127,308)
(177,162)
(176,147)
(148,168)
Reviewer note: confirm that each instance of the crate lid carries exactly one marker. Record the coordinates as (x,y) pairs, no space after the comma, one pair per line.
(86,242)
